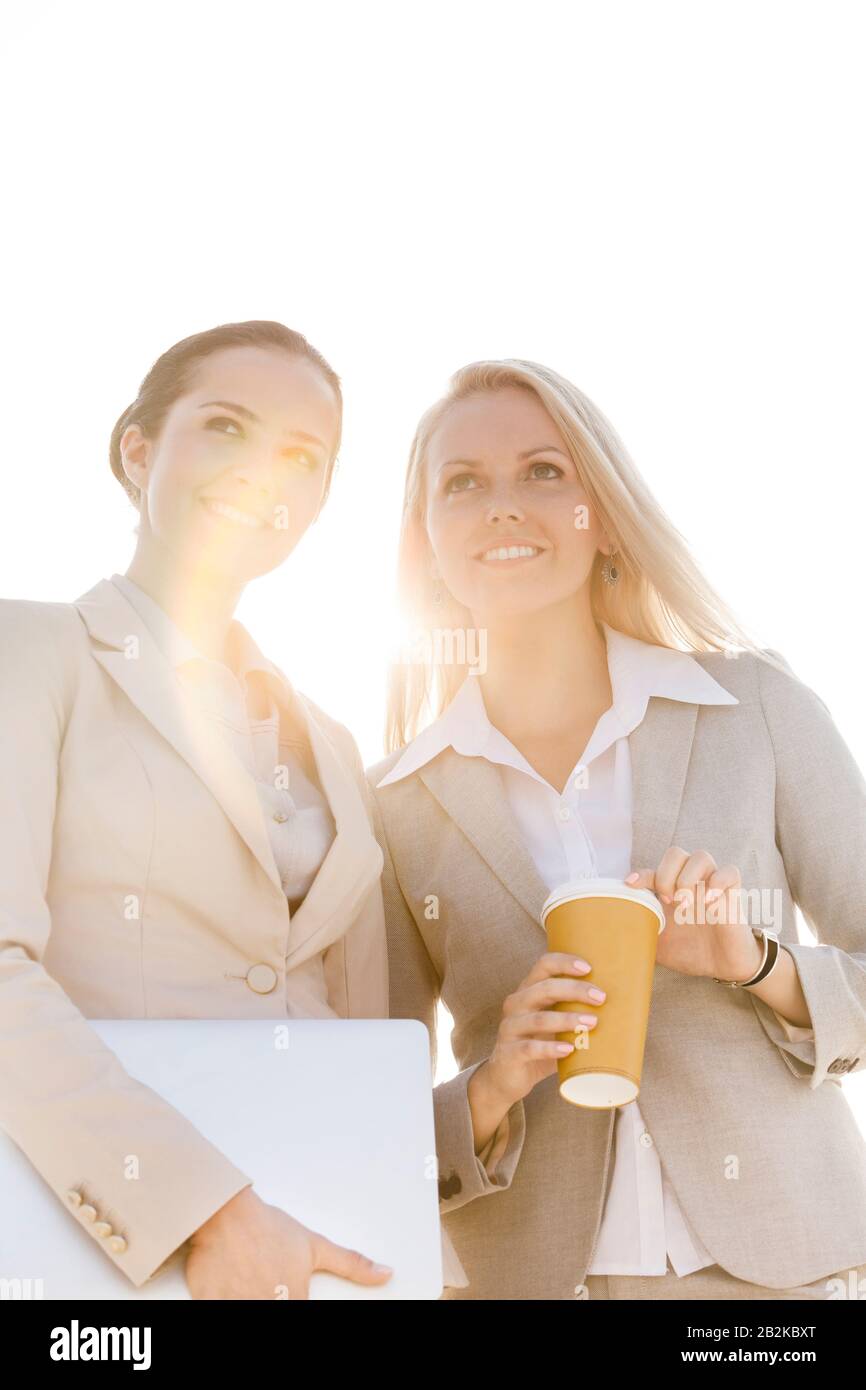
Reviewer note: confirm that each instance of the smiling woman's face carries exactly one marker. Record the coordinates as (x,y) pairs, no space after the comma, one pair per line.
(238,471)
(500,477)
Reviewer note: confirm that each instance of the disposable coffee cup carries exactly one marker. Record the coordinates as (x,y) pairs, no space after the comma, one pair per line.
(615,929)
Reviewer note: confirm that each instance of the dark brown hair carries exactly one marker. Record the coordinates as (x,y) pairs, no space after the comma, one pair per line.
(171,376)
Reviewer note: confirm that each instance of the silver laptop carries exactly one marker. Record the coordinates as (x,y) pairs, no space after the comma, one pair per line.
(333,1119)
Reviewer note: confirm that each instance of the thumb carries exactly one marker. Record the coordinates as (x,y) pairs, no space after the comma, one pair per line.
(643,878)
(349,1264)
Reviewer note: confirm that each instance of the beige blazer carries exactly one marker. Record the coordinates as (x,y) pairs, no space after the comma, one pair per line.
(137,881)
(754,1130)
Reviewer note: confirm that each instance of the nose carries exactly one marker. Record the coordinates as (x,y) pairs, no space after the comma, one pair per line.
(259,477)
(503,507)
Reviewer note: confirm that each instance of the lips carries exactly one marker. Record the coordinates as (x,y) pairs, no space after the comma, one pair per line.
(237,515)
(509,551)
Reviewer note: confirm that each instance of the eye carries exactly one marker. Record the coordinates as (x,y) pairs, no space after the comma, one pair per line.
(555,472)
(223,420)
(459,478)
(309,462)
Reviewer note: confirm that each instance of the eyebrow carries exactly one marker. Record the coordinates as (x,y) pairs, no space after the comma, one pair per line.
(250,415)
(527,453)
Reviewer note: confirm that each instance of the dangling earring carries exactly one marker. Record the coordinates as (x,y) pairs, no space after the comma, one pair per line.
(609,571)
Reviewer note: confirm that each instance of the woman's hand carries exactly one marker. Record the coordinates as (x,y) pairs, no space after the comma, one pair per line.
(526,1049)
(250,1250)
(706,927)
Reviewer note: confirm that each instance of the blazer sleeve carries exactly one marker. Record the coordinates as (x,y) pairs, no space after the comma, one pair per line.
(821,834)
(415,991)
(65,1099)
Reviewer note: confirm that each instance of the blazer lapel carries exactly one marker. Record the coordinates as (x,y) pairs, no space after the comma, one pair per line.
(660,748)
(471,792)
(149,681)
(353,862)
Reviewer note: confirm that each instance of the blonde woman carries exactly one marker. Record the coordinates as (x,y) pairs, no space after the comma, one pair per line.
(184,834)
(608,716)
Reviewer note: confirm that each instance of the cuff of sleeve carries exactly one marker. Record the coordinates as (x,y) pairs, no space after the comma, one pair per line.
(824,1051)
(794,1033)
(163,1248)
(799,1056)
(798,1046)
(462,1173)
(494,1148)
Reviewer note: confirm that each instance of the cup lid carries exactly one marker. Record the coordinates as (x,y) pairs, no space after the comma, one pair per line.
(602,888)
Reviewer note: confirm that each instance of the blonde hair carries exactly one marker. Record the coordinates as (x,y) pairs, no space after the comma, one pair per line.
(661,596)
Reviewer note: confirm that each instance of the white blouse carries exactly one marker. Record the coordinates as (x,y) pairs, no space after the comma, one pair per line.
(587,829)
(273,749)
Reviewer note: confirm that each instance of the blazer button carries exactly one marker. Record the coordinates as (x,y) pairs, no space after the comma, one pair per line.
(74,1198)
(117,1244)
(88,1212)
(261,978)
(449,1187)
(102,1229)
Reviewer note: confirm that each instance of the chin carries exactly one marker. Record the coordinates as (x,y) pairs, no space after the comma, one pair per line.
(517,605)
(504,608)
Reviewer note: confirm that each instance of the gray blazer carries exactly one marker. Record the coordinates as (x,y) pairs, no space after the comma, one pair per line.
(757,1137)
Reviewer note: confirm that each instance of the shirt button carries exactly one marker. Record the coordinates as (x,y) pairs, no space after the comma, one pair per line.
(261,978)
(280,817)
(646,1140)
(564,813)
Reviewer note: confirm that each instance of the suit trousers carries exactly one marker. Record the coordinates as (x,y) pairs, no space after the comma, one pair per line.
(715,1282)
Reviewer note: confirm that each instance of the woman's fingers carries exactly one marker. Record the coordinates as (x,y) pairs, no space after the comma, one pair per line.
(728,876)
(519,1051)
(546,1021)
(680,869)
(349,1264)
(546,993)
(679,874)
(642,878)
(554,963)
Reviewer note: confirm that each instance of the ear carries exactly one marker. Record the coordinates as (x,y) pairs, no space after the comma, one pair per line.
(135,456)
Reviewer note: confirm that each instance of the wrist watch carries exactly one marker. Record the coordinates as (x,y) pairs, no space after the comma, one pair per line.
(768,960)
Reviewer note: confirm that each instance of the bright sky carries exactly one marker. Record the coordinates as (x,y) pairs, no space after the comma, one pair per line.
(664,202)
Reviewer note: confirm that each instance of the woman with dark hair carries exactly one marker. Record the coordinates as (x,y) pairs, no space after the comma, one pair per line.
(184,834)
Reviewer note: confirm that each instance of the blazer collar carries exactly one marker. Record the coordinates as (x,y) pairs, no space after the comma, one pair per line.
(638,671)
(178,649)
(132,657)
(656,695)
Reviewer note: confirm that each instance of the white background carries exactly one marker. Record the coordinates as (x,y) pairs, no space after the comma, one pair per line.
(663,201)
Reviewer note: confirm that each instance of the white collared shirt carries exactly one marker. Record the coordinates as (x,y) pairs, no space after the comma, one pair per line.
(274,751)
(587,829)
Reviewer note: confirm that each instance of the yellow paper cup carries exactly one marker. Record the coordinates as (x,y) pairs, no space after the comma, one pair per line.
(616,929)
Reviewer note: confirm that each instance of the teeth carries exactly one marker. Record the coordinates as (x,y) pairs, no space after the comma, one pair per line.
(231,513)
(510,552)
